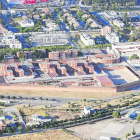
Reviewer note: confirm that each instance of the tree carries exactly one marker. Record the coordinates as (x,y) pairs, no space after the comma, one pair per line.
(58,22)
(13,97)
(125,17)
(134,132)
(132,38)
(84,100)
(8,97)
(138,118)
(46,106)
(116,114)
(40,98)
(20,97)
(128,134)
(46,98)
(72,27)
(120,100)
(123,97)
(134,56)
(100,100)
(132,94)
(72,104)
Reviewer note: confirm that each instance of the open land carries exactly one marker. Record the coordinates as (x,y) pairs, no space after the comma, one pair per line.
(66,94)
(49,135)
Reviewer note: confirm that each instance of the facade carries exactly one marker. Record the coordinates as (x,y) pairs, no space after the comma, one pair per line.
(105,58)
(9,40)
(118,23)
(112,37)
(63,54)
(125,45)
(134,62)
(105,81)
(87,39)
(127,49)
(2,29)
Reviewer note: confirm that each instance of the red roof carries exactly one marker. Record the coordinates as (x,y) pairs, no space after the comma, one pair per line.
(104,79)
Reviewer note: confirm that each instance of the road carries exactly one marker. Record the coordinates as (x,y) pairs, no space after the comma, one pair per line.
(58,101)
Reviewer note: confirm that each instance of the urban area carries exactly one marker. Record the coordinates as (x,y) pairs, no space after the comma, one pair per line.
(69,70)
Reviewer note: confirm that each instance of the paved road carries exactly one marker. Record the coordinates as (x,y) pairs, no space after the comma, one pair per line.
(58,101)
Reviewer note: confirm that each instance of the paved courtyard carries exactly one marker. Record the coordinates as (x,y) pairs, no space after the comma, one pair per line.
(113,128)
(120,76)
(108,128)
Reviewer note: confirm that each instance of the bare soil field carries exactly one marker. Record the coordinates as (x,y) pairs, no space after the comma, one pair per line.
(49,135)
(70,94)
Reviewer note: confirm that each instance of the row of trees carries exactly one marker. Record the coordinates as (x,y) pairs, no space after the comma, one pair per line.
(67,122)
(110,4)
(36,54)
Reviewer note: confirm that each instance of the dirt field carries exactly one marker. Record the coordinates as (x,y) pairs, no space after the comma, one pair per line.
(70,94)
(49,135)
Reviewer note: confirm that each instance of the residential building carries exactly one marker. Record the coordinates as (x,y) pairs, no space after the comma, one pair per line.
(46,11)
(85,16)
(36,17)
(73,21)
(2,124)
(93,23)
(8,40)
(52,27)
(26,23)
(105,30)
(9,58)
(89,110)
(87,39)
(2,29)
(112,37)
(118,23)
(36,118)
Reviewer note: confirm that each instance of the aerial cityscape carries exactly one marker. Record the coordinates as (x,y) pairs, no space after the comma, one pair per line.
(69,70)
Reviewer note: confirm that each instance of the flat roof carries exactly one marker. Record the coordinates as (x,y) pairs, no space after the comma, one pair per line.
(127,43)
(104,79)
